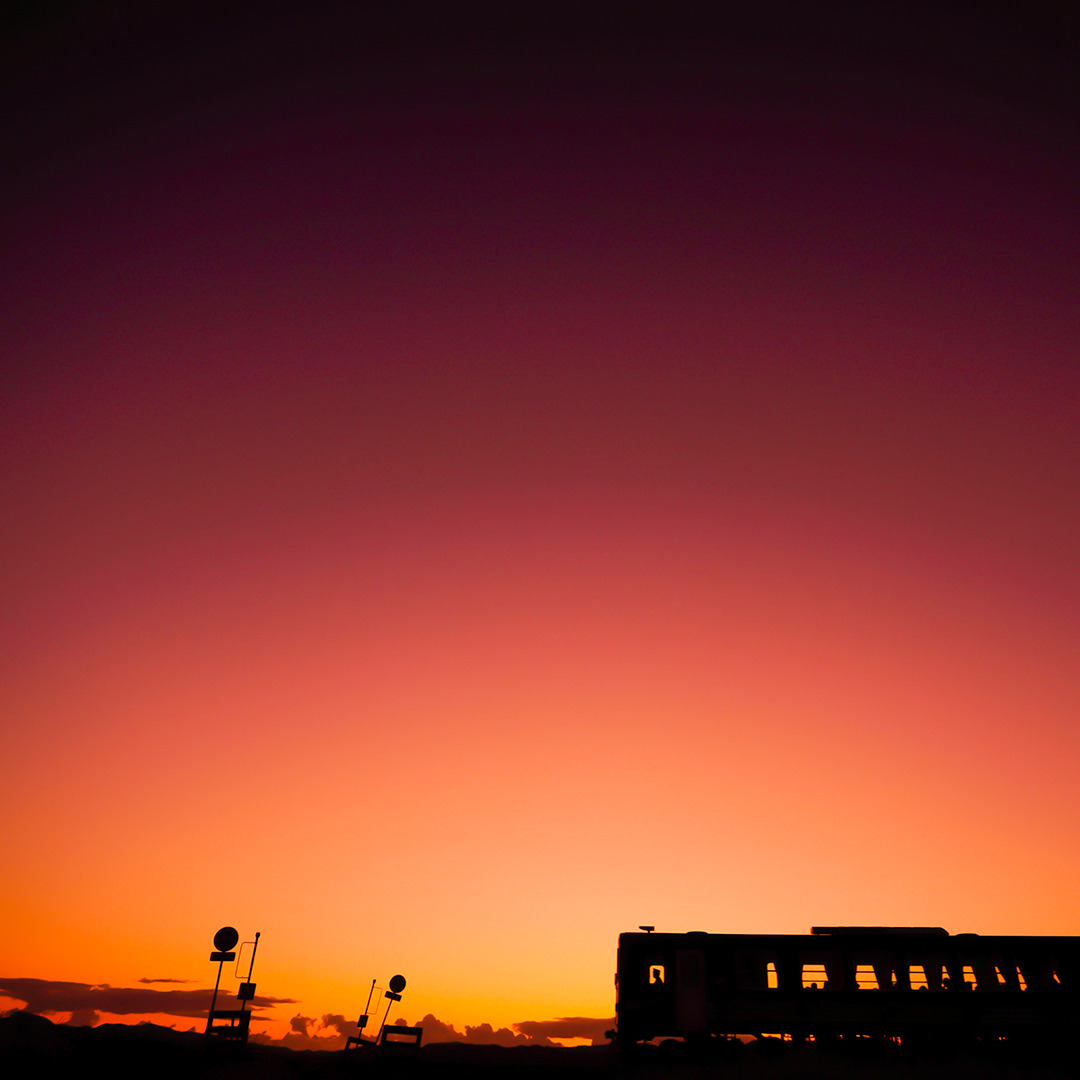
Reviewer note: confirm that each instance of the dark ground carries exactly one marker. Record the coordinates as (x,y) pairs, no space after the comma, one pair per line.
(33,1046)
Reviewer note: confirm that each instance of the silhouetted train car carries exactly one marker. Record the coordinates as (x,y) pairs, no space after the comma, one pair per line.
(906,982)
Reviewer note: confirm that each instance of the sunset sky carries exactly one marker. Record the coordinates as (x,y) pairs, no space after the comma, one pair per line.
(477,483)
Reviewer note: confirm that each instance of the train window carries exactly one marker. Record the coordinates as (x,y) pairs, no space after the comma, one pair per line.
(1020,976)
(656,975)
(755,970)
(821,969)
(874,970)
(987,974)
(980,973)
(928,973)
(1040,975)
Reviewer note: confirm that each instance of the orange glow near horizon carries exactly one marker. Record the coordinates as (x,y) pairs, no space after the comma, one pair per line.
(485,794)
(445,541)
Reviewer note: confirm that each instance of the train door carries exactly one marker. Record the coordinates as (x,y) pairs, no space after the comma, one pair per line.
(690,1005)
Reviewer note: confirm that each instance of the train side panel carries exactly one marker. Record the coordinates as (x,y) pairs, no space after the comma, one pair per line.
(877,981)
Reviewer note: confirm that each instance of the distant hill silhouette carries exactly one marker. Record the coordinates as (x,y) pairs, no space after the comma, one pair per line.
(31,1045)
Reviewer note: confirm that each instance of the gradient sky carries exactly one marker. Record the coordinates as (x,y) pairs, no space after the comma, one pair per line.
(474,484)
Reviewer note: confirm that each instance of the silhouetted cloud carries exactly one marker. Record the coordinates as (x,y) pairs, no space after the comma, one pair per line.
(525,1033)
(84,1018)
(568,1027)
(87,1001)
(144,979)
(339,1023)
(435,1030)
(48,996)
(485,1033)
(308,1033)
